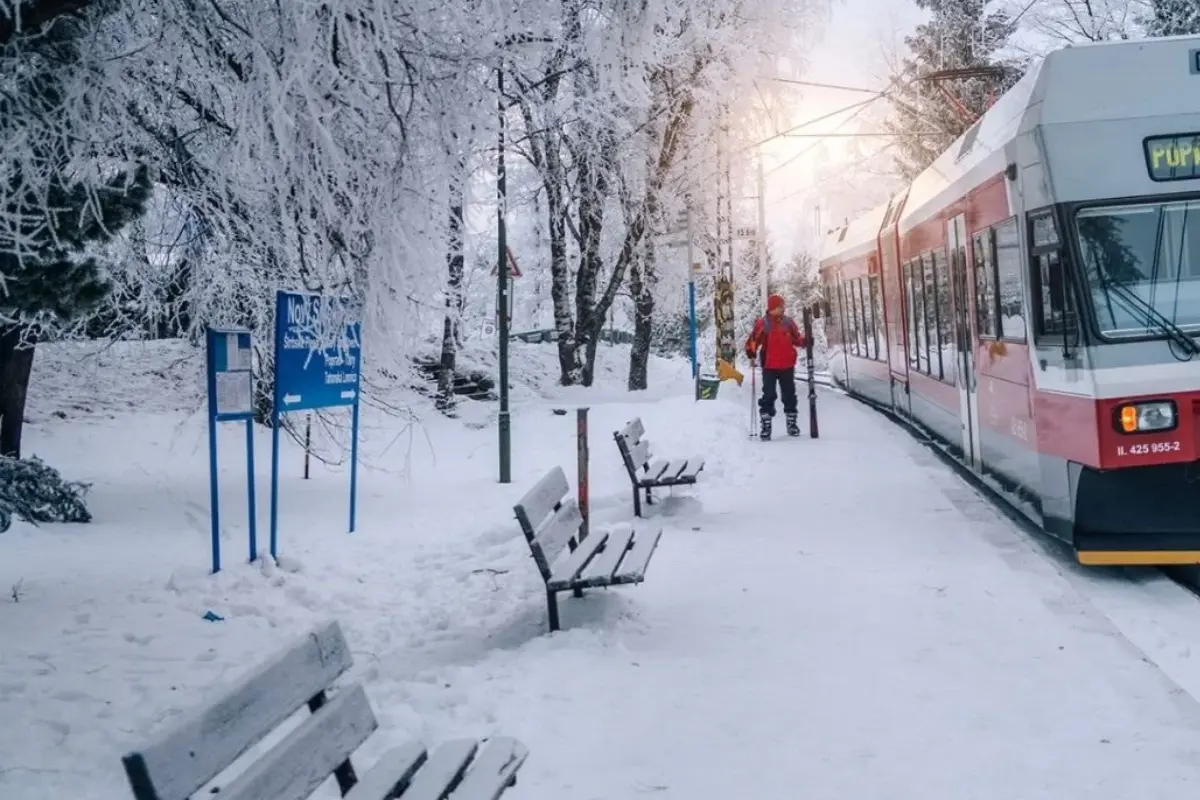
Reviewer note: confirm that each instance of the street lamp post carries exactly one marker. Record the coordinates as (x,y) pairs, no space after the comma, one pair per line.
(502,290)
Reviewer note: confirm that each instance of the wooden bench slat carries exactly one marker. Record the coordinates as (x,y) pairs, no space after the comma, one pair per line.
(307,756)
(694,465)
(569,568)
(633,566)
(198,748)
(441,771)
(659,469)
(493,771)
(394,770)
(633,431)
(552,537)
(601,569)
(539,501)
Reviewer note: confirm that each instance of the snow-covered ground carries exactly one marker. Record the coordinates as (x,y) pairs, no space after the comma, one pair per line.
(831,618)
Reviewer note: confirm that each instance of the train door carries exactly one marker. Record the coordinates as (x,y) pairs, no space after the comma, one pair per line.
(968,385)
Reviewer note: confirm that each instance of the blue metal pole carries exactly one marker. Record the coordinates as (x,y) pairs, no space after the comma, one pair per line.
(274,484)
(252,513)
(214,502)
(276,404)
(692,327)
(353,460)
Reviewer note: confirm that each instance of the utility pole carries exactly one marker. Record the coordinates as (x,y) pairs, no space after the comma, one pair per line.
(502,289)
(761,238)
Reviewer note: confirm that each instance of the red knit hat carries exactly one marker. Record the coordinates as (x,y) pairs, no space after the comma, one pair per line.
(774,302)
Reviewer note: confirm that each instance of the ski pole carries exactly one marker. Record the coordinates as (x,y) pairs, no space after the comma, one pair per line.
(753,395)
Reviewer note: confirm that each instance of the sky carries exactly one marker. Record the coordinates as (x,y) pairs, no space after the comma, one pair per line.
(851,52)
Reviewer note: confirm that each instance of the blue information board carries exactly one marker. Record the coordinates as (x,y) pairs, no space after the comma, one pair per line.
(230,383)
(318,346)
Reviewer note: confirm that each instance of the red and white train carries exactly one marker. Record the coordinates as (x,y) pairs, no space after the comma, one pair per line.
(1032,299)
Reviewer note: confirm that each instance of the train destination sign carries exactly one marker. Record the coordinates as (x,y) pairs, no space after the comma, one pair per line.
(1173,158)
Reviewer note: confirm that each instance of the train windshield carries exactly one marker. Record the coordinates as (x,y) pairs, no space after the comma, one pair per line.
(1143,266)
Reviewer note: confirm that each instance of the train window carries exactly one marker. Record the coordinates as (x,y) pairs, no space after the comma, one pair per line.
(864,300)
(1011,298)
(881,347)
(851,325)
(873,322)
(945,329)
(910,334)
(855,319)
(1055,311)
(986,315)
(933,345)
(841,314)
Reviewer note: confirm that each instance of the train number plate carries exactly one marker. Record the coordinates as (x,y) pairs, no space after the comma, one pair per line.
(1149,448)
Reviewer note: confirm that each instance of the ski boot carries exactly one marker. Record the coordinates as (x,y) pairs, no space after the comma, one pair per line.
(793,427)
(765,432)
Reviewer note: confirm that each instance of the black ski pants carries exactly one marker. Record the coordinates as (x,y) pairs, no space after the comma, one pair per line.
(778,382)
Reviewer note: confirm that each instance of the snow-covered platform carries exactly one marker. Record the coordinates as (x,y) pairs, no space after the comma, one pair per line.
(838,618)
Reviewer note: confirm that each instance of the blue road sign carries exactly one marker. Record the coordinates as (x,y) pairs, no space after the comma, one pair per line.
(318,344)
(230,382)
(317,347)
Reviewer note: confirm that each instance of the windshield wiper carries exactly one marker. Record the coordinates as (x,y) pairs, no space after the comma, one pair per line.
(1153,317)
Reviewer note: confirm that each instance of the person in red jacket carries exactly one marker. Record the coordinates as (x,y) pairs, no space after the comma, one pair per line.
(774,341)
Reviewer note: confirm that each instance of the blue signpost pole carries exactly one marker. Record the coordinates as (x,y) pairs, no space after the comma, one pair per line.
(692,327)
(353,463)
(276,400)
(250,490)
(274,484)
(214,502)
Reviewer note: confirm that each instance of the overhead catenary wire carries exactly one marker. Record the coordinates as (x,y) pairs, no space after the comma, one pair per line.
(891,87)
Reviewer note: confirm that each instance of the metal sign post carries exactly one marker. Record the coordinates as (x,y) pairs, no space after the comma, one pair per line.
(318,364)
(230,382)
(812,384)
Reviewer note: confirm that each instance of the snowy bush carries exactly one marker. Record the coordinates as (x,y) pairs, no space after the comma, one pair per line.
(36,492)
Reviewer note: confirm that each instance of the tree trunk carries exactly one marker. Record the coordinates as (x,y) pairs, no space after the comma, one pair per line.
(560,272)
(16,363)
(454,298)
(641,284)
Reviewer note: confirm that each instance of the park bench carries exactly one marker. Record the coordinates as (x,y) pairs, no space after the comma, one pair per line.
(646,474)
(199,748)
(569,560)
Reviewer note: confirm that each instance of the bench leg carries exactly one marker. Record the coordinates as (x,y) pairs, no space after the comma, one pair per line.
(649,499)
(637,501)
(552,607)
(344,772)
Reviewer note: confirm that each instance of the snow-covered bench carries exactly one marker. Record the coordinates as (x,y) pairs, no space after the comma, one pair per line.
(647,475)
(202,746)
(568,561)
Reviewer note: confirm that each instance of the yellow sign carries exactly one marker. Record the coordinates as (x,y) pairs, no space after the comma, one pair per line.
(1173,158)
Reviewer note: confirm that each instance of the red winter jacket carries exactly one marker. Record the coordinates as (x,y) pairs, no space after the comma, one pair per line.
(778,339)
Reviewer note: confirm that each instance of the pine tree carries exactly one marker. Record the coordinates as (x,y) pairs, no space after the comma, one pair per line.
(960,34)
(1173,18)
(52,218)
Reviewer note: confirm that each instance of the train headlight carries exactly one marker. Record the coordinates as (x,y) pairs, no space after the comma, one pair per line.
(1151,417)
